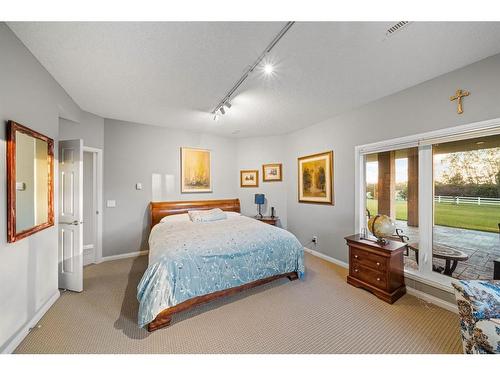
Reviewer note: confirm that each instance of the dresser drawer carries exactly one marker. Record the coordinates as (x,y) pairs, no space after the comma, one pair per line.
(377,262)
(368,275)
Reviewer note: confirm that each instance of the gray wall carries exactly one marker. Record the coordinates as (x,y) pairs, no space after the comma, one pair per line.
(252,153)
(28,268)
(422,108)
(132,154)
(90,128)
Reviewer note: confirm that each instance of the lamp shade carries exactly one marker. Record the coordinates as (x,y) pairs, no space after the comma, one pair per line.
(259,198)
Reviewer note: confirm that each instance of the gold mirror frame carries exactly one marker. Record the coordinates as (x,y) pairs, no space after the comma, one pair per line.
(12,128)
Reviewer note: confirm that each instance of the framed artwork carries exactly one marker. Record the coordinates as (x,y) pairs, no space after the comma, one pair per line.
(272,172)
(316,178)
(195,170)
(249,178)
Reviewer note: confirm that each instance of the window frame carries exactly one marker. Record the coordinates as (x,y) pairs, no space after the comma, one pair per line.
(424,142)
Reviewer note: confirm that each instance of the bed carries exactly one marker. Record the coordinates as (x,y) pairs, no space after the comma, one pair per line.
(192,263)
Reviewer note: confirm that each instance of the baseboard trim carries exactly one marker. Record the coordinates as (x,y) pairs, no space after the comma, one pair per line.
(327,258)
(15,340)
(431,299)
(123,256)
(414,292)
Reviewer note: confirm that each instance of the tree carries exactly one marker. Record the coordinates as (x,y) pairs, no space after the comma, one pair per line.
(403,193)
(475,166)
(307,179)
(321,179)
(497,178)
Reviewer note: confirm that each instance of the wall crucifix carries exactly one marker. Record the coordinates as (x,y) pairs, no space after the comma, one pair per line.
(458,96)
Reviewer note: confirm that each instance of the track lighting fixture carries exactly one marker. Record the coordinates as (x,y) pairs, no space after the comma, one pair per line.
(268,69)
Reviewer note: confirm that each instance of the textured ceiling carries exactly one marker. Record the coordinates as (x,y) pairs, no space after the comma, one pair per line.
(174,73)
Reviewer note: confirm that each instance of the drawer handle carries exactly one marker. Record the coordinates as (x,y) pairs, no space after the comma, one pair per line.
(378,264)
(378,278)
(356,270)
(355,256)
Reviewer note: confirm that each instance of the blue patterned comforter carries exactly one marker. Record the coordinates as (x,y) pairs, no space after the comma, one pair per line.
(189,259)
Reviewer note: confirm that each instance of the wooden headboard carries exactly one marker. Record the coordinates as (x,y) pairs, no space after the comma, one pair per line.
(159,210)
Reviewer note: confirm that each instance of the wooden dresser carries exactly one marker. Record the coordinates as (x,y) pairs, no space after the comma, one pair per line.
(377,268)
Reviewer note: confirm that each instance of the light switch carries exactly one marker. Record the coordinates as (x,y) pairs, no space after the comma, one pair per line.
(111,203)
(138,186)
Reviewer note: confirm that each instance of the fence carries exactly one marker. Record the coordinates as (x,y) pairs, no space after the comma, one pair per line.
(467,200)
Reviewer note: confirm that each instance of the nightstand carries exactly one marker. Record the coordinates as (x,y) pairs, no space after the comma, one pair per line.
(268,219)
(376,267)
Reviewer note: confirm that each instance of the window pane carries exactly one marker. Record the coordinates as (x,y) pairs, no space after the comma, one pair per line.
(466,228)
(391,183)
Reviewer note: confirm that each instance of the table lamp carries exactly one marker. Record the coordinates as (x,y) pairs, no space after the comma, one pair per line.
(259,200)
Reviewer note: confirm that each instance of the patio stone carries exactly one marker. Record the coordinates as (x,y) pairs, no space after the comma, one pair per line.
(481,247)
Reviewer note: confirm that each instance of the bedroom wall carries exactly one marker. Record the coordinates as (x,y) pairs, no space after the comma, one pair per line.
(28,268)
(133,153)
(90,128)
(252,153)
(422,108)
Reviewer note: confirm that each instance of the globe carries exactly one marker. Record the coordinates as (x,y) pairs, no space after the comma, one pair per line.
(381,226)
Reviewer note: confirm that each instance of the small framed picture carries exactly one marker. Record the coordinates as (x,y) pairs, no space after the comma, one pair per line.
(249,178)
(272,172)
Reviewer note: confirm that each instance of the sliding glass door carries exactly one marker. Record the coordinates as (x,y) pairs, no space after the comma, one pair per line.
(444,195)
(391,188)
(466,207)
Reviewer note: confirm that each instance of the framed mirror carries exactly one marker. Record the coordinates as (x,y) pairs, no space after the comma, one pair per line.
(30,181)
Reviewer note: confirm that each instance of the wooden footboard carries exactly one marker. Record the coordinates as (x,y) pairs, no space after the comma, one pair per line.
(164,318)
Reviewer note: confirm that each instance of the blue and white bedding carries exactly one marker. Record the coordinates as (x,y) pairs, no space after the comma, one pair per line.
(189,259)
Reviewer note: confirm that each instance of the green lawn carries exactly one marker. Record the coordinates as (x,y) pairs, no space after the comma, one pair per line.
(467,216)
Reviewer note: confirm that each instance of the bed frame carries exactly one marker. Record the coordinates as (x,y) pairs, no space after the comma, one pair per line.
(162,209)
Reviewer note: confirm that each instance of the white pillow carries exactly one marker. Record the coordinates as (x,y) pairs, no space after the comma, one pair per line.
(207,215)
(175,218)
(232,214)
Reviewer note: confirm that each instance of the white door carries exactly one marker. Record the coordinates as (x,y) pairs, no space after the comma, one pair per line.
(71,215)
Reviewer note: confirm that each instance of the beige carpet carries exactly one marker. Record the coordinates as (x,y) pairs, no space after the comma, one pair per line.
(321,314)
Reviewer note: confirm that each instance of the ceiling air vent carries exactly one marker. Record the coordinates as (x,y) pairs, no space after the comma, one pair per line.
(396,27)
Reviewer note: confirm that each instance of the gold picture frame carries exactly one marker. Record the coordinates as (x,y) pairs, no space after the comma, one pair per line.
(272,172)
(249,178)
(195,170)
(315,178)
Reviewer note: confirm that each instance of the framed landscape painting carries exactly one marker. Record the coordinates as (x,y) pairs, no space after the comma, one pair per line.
(316,178)
(272,172)
(249,178)
(195,170)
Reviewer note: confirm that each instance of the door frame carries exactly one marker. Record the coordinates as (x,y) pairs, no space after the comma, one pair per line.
(98,173)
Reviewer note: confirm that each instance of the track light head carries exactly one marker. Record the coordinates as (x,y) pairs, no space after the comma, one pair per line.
(216,117)
(228,105)
(222,110)
(268,69)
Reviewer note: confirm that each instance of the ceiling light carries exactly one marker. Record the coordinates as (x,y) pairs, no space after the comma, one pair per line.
(268,68)
(228,105)
(222,110)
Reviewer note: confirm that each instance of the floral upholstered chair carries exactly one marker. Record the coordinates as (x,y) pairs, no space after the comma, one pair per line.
(479,309)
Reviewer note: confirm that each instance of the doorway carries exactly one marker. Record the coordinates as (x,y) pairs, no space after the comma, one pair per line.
(92,191)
